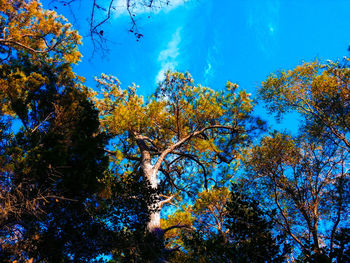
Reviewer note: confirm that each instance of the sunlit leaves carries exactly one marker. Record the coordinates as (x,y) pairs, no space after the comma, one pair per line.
(25,26)
(177,109)
(319,92)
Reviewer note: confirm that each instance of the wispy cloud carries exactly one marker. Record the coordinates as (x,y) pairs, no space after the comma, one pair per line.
(209,69)
(168,57)
(211,60)
(264,18)
(119,7)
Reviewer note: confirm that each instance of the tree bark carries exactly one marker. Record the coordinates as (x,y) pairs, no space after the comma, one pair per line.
(150,174)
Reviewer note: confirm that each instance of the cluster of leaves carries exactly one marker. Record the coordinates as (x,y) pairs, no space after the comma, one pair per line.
(319,92)
(25,26)
(52,152)
(204,127)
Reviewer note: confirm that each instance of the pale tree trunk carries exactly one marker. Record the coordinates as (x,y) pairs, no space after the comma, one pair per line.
(150,171)
(154,221)
(150,174)
(153,225)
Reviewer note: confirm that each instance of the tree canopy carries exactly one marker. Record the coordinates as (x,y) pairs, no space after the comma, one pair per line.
(187,174)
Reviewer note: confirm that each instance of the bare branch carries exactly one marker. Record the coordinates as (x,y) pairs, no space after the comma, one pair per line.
(9,42)
(129,157)
(193,158)
(166,201)
(175,227)
(38,126)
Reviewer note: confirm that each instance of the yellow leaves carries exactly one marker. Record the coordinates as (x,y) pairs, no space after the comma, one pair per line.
(121,110)
(106,192)
(176,110)
(276,150)
(307,70)
(325,84)
(231,86)
(320,92)
(178,218)
(205,145)
(245,102)
(30,28)
(15,86)
(31,260)
(215,197)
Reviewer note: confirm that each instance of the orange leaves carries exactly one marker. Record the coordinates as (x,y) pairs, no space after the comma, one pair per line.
(178,218)
(121,110)
(42,33)
(193,119)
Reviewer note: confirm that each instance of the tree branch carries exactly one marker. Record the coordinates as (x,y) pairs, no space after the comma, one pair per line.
(184,140)
(176,226)
(166,201)
(190,156)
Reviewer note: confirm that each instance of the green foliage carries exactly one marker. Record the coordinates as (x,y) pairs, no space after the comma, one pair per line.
(52,164)
(56,158)
(175,139)
(241,231)
(305,176)
(209,126)
(305,182)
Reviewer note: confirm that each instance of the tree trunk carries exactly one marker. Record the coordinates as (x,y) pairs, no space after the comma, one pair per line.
(150,174)
(154,221)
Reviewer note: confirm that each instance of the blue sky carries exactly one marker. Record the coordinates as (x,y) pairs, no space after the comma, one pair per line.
(238,40)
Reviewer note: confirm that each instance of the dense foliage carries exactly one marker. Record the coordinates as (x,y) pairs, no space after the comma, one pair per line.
(185,175)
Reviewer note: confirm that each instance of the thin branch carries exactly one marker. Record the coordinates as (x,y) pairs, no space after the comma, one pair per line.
(129,157)
(93,29)
(38,126)
(175,227)
(7,42)
(192,157)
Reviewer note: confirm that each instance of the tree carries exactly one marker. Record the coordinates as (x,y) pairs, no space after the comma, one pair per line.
(310,169)
(25,26)
(240,231)
(178,134)
(319,92)
(306,183)
(54,162)
(203,220)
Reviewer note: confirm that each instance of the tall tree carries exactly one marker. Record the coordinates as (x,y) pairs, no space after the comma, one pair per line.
(307,184)
(176,136)
(312,169)
(53,162)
